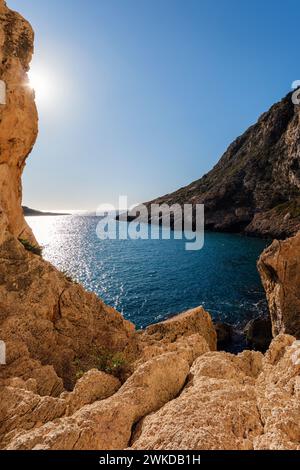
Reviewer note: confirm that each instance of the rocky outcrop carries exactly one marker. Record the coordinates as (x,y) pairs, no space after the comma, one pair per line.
(18,116)
(183,325)
(249,401)
(46,318)
(223,401)
(279,267)
(52,328)
(159,367)
(255,187)
(107,424)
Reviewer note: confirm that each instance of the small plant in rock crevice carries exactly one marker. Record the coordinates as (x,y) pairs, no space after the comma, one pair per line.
(103,360)
(35,249)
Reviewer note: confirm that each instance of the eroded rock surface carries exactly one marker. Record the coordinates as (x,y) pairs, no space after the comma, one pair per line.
(18,117)
(46,318)
(248,401)
(279,267)
(107,424)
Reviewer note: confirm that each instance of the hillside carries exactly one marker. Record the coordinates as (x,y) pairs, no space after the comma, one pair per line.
(27,211)
(255,187)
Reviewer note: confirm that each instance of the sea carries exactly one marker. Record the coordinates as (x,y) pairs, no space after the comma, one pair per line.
(151,280)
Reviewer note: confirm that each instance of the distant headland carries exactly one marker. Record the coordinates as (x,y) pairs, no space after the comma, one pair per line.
(32,212)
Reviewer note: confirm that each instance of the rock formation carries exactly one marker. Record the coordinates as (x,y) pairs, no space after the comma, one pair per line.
(223,401)
(249,401)
(279,267)
(18,116)
(255,187)
(78,376)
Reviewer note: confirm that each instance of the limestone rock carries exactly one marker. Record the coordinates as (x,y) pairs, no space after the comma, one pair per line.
(53,319)
(22,410)
(93,386)
(278,396)
(279,267)
(107,424)
(216,410)
(187,347)
(18,116)
(194,321)
(248,401)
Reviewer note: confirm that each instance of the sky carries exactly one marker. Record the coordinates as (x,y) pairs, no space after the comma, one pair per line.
(141,97)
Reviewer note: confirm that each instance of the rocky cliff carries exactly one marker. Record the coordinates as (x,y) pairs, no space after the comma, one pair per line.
(255,187)
(46,321)
(279,267)
(78,376)
(18,117)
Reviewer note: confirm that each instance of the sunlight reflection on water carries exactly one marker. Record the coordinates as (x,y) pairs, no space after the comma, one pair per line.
(147,280)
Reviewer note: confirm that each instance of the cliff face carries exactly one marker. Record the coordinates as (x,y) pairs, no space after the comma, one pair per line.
(78,376)
(279,267)
(255,187)
(18,116)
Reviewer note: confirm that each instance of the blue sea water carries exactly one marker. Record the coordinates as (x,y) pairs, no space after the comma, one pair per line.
(149,280)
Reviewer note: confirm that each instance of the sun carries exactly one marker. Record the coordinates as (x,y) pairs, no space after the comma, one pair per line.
(43,85)
(39,82)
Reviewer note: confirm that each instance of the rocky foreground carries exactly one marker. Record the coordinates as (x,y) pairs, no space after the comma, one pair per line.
(78,376)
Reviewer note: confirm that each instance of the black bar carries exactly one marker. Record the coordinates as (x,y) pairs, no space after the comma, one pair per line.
(143,459)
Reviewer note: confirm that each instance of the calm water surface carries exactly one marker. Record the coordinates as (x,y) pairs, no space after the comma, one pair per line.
(148,280)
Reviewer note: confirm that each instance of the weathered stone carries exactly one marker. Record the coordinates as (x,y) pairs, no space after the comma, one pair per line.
(194,321)
(107,424)
(18,116)
(93,386)
(246,401)
(279,267)
(216,410)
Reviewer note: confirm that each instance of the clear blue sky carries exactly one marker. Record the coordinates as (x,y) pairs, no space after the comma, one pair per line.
(145,95)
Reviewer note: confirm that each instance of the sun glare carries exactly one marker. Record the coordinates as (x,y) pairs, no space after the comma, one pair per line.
(41,84)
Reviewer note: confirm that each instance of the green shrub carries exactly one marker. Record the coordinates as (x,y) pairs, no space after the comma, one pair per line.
(111,363)
(103,360)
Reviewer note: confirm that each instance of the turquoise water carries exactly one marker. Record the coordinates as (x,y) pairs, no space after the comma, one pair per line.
(149,280)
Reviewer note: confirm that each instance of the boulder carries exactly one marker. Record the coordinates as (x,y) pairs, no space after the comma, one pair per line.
(194,321)
(93,386)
